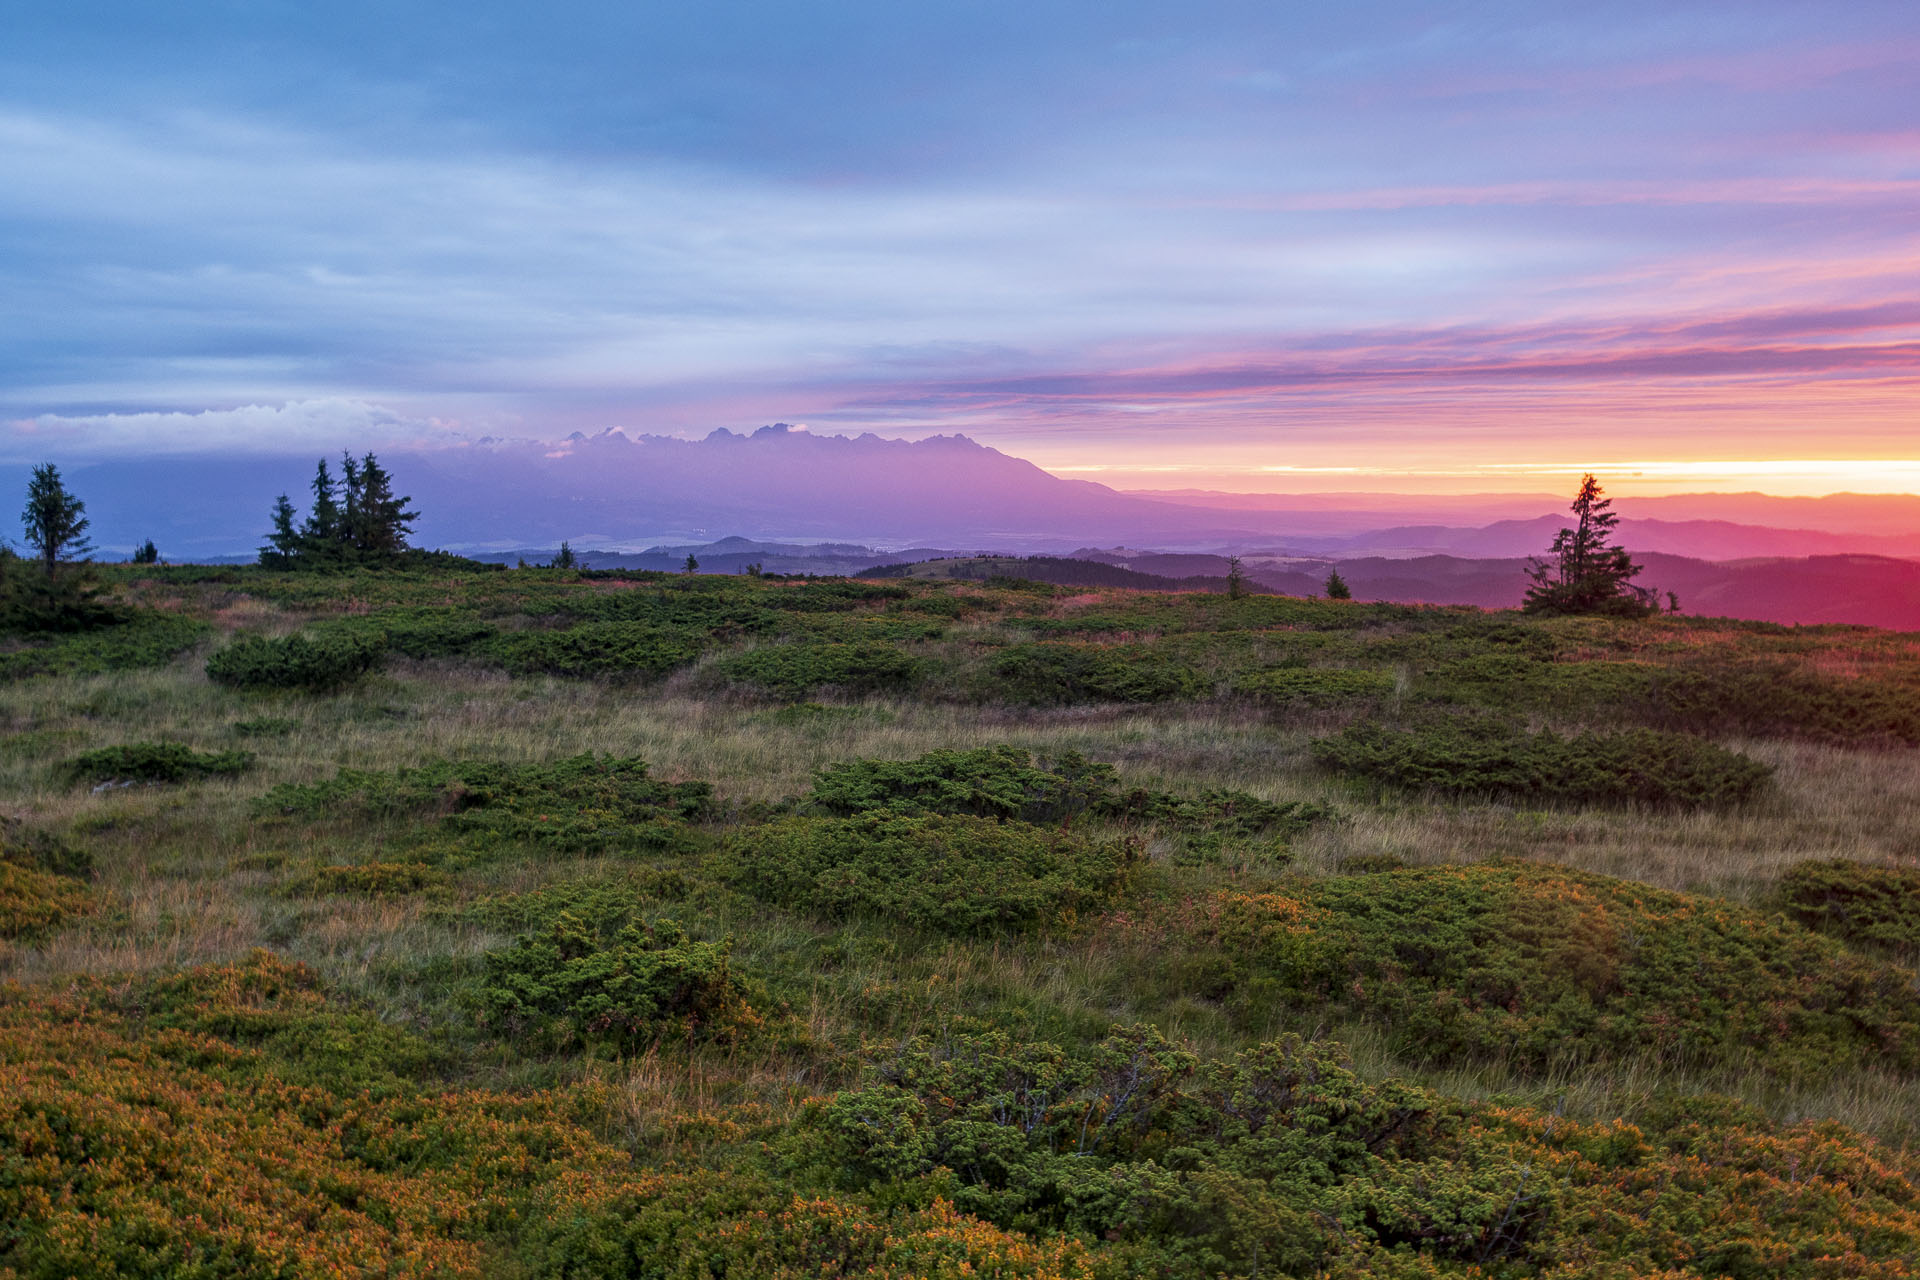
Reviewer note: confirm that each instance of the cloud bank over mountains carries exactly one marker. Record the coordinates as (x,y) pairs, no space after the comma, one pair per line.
(784,483)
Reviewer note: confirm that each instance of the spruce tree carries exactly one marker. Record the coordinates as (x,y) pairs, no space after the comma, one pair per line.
(380,523)
(283,544)
(1583,572)
(55,521)
(353,522)
(1337,588)
(63,596)
(320,535)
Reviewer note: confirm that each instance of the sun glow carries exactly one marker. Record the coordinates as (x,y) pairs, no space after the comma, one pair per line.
(1786,477)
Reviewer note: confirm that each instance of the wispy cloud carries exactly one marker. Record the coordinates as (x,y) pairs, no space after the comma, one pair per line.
(301,427)
(1092,230)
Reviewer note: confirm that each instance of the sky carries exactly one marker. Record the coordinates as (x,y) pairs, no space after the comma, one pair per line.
(1263,246)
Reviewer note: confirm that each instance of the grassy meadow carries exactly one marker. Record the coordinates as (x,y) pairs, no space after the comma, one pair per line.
(549,924)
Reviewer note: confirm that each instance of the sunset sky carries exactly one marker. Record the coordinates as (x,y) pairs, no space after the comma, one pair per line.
(1260,246)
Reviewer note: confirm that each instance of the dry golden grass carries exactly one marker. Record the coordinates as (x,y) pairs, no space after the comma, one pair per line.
(189,876)
(165,853)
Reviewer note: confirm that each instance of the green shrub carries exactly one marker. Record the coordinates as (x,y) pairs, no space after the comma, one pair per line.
(701,1224)
(987,782)
(417,633)
(313,664)
(1185,1168)
(1464,756)
(604,904)
(834,595)
(155,762)
(636,650)
(1315,687)
(148,638)
(711,610)
(1007,782)
(1542,965)
(1780,698)
(643,984)
(795,671)
(1855,901)
(583,803)
(1047,674)
(960,875)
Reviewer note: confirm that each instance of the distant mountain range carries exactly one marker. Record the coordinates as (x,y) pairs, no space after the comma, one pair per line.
(786,485)
(796,502)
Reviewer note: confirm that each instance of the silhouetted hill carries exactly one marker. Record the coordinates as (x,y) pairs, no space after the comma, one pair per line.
(1060,571)
(1876,591)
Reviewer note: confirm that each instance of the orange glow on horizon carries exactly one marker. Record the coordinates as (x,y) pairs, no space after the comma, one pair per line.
(1780,477)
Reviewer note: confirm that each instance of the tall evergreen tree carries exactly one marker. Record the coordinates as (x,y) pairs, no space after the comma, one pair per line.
(283,544)
(382,522)
(352,520)
(356,520)
(1583,572)
(64,596)
(55,521)
(320,535)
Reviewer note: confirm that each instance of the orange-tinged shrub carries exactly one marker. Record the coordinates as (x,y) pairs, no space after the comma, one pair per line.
(133,1148)
(34,901)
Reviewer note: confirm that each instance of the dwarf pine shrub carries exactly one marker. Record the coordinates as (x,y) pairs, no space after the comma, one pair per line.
(1049,674)
(1316,687)
(1537,965)
(1008,782)
(155,762)
(317,663)
(942,873)
(614,650)
(1471,756)
(642,984)
(1856,901)
(1281,1160)
(417,633)
(1780,698)
(796,671)
(147,638)
(986,782)
(583,803)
